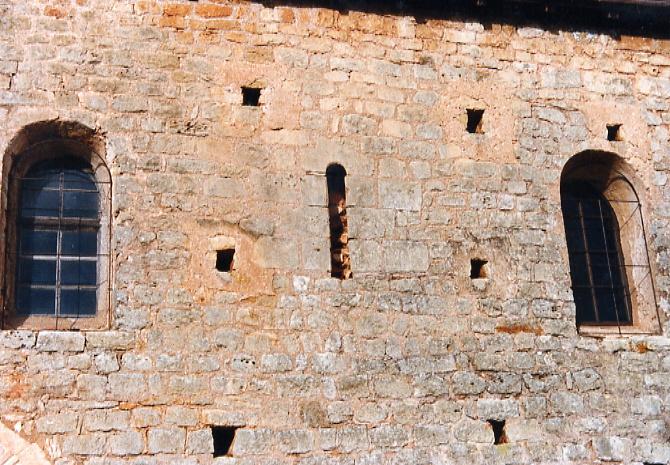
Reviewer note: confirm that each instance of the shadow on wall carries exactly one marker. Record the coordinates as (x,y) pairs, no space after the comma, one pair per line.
(643,18)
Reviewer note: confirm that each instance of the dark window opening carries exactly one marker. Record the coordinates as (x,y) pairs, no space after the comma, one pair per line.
(474,125)
(57,255)
(224,259)
(223,437)
(614,132)
(597,267)
(478,268)
(337,212)
(498,427)
(251,96)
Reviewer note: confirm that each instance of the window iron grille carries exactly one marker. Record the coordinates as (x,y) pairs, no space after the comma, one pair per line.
(600,271)
(58,228)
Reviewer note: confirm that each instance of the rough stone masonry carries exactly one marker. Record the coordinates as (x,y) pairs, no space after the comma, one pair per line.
(410,361)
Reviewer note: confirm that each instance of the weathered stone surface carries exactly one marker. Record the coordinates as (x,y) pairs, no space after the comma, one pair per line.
(406,361)
(56,341)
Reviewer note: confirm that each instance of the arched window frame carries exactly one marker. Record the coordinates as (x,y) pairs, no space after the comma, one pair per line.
(54,141)
(613,179)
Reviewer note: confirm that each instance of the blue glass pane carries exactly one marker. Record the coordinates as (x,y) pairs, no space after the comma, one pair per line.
(41,180)
(35,301)
(79,180)
(584,304)
(39,203)
(38,242)
(78,302)
(79,243)
(32,271)
(579,269)
(78,272)
(606,305)
(80,204)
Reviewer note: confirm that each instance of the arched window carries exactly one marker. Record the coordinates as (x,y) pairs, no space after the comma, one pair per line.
(58,227)
(57,191)
(609,263)
(599,282)
(337,212)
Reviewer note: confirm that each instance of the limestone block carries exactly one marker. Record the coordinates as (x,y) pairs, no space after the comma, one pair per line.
(521,429)
(252,442)
(406,256)
(366,256)
(200,442)
(126,443)
(114,340)
(105,420)
(58,423)
(389,436)
(369,223)
(564,402)
(296,441)
(647,406)
(400,195)
(59,341)
(17,339)
(271,252)
(166,440)
(84,444)
(127,386)
(181,416)
(474,431)
(494,409)
(467,383)
(613,448)
(314,191)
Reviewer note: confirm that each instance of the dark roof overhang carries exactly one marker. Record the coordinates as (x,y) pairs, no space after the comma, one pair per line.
(650,18)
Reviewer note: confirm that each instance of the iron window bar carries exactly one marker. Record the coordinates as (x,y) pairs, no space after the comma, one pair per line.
(74,216)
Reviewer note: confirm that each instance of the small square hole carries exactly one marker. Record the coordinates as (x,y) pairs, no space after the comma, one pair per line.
(475,117)
(498,427)
(613,132)
(224,259)
(251,96)
(478,268)
(223,437)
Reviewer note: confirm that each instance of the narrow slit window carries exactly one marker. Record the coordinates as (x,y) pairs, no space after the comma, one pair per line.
(337,212)
(475,119)
(613,132)
(224,259)
(498,427)
(251,96)
(223,437)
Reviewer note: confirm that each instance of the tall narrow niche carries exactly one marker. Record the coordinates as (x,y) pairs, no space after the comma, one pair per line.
(340,264)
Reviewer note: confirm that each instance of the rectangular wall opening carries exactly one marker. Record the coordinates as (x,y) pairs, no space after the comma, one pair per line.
(614,132)
(478,268)
(498,427)
(224,259)
(475,119)
(251,96)
(223,437)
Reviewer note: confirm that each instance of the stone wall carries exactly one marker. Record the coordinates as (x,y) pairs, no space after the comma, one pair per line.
(406,361)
